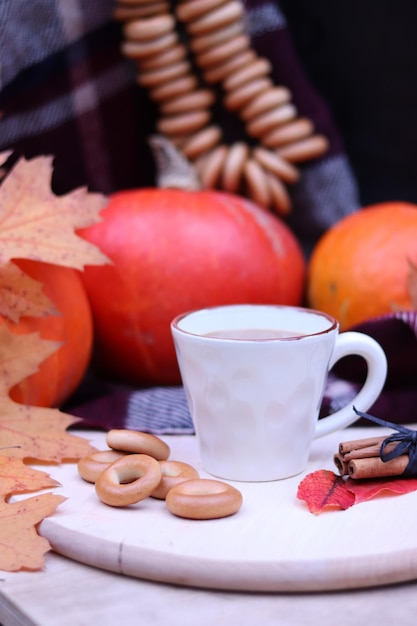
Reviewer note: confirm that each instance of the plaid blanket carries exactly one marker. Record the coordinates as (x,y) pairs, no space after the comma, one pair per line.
(66,90)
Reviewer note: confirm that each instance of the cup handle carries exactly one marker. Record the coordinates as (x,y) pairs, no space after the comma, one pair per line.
(355,343)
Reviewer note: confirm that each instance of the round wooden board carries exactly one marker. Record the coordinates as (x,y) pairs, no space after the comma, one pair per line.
(272,544)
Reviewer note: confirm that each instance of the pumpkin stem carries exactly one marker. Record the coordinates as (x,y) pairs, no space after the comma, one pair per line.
(174,170)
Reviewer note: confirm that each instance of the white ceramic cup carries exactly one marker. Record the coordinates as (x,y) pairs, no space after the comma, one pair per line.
(255,402)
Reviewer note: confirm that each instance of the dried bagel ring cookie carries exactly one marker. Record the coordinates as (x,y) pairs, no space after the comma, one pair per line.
(128,480)
(268,122)
(166,57)
(202,43)
(189,10)
(234,166)
(226,14)
(305,149)
(257,69)
(239,97)
(280,198)
(289,133)
(136,442)
(193,101)
(265,101)
(90,467)
(257,184)
(222,52)
(217,74)
(209,166)
(276,164)
(202,142)
(184,123)
(203,499)
(174,88)
(154,77)
(149,28)
(146,49)
(173,473)
(124,11)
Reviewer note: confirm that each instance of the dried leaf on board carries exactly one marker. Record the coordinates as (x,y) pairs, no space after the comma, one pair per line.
(21,546)
(40,433)
(16,477)
(28,433)
(323,490)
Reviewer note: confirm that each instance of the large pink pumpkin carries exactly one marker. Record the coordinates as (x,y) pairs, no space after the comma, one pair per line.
(174,251)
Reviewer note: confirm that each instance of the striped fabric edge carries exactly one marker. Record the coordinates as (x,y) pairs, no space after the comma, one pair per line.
(159,410)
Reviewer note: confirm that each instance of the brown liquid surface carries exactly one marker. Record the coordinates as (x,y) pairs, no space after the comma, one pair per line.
(254,333)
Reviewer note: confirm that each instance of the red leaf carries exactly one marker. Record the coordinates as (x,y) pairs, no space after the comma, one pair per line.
(364,490)
(324,490)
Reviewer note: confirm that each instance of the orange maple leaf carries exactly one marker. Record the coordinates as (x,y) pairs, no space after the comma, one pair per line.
(36,224)
(21,546)
(40,432)
(21,295)
(16,477)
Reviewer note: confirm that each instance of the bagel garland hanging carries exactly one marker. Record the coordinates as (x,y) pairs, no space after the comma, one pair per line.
(167,44)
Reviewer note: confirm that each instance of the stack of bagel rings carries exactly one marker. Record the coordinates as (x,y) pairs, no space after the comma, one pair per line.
(137,466)
(167,43)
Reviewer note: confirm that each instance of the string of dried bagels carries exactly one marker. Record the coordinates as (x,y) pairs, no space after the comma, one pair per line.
(167,44)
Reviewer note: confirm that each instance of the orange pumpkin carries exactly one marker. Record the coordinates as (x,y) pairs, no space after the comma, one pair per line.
(176,250)
(60,374)
(359,268)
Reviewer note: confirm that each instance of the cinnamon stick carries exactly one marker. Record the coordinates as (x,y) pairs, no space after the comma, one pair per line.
(369,451)
(360,458)
(341,464)
(358,444)
(374,467)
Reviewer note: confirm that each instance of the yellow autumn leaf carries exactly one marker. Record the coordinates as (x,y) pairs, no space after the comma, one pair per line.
(36,224)
(16,477)
(22,295)
(21,546)
(40,433)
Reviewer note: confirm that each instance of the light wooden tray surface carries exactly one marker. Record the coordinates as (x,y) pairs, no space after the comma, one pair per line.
(272,544)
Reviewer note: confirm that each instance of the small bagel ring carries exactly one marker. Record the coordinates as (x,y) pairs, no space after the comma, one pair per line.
(201,142)
(199,44)
(217,74)
(237,98)
(309,148)
(229,12)
(203,498)
(193,9)
(124,13)
(234,165)
(256,182)
(138,443)
(149,28)
(209,166)
(222,52)
(128,480)
(91,466)
(173,473)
